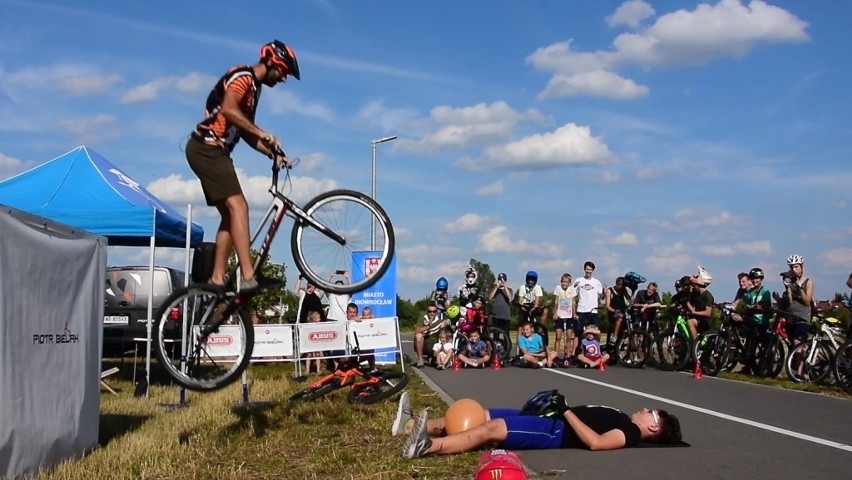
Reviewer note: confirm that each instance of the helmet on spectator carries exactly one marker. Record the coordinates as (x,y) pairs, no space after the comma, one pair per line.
(633,279)
(470,276)
(442,284)
(281,56)
(755,272)
(453,312)
(531,278)
(684,281)
(795,260)
(542,404)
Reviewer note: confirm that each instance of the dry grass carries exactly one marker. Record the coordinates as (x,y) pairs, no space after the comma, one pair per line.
(216,438)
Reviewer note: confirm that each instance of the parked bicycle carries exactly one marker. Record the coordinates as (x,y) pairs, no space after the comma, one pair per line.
(675,344)
(365,386)
(326,234)
(769,360)
(843,360)
(635,343)
(812,361)
(724,348)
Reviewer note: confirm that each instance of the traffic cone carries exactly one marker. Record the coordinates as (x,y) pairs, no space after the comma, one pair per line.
(495,363)
(456,364)
(601,365)
(697,373)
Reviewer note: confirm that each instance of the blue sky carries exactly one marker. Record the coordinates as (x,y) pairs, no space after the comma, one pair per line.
(647,135)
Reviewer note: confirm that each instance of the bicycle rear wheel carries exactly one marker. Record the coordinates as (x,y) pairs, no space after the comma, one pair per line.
(843,366)
(713,352)
(389,384)
(351,216)
(770,360)
(631,349)
(502,344)
(800,370)
(213,360)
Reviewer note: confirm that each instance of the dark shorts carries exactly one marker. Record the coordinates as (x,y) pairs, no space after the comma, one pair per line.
(528,432)
(215,169)
(569,324)
(799,331)
(588,318)
(703,324)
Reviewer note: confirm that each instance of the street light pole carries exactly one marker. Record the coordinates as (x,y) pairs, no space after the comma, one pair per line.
(373,185)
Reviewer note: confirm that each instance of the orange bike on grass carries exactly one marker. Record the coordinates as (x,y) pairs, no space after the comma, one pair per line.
(366,386)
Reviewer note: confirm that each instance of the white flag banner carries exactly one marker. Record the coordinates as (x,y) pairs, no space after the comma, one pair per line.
(317,337)
(227,342)
(373,333)
(272,341)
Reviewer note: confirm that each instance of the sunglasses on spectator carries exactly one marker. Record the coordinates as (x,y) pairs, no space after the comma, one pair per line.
(431,311)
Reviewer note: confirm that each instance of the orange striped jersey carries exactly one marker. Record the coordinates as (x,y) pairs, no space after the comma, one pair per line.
(215,129)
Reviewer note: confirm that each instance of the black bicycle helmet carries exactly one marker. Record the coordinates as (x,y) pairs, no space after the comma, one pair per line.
(280,55)
(542,404)
(755,272)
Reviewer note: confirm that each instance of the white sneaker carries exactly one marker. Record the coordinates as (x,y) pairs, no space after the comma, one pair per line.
(418,442)
(403,415)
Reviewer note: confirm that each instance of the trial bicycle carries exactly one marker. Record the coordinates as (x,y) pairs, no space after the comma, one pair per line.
(635,344)
(365,386)
(326,233)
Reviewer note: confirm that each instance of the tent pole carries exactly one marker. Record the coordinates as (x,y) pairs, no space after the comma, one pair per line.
(150,303)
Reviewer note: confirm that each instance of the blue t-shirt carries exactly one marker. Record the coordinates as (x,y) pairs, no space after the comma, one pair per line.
(591,348)
(478,349)
(532,344)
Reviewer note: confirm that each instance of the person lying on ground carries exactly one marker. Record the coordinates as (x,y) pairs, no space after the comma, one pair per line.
(591,427)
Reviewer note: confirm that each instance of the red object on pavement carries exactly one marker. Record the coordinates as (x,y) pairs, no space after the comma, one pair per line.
(456,364)
(601,365)
(500,464)
(495,363)
(697,373)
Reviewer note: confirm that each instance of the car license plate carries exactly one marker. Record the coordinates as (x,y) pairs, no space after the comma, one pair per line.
(116,319)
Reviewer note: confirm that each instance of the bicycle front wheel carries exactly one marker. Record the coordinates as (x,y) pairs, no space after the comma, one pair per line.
(341,223)
(809,362)
(843,366)
(213,360)
(673,349)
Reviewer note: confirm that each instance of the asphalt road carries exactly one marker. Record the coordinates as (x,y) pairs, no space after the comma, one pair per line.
(736,430)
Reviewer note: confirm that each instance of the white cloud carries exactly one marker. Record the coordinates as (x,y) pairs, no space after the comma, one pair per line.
(283,101)
(88,84)
(427,253)
(376,114)
(458,128)
(837,256)
(495,188)
(624,239)
(193,82)
(597,83)
(91,129)
(630,13)
(670,259)
(758,247)
(468,222)
(496,240)
(569,144)
(680,38)
(9,166)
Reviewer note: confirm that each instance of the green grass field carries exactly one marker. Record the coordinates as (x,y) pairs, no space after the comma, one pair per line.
(215,438)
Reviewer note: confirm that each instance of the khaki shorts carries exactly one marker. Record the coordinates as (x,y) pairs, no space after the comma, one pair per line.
(215,169)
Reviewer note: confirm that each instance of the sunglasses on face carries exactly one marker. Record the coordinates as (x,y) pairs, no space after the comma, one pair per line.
(656,417)
(431,311)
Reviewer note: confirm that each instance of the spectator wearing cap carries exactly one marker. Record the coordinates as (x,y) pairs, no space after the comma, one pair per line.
(501,299)
(700,303)
(591,354)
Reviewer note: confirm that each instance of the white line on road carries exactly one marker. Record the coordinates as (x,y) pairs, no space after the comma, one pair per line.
(744,421)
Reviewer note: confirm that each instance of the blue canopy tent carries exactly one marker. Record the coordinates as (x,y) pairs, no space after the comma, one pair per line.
(82,189)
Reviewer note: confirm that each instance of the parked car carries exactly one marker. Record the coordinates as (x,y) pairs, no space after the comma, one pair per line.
(126,304)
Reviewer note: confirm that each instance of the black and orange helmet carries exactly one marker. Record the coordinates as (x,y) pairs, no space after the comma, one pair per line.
(280,55)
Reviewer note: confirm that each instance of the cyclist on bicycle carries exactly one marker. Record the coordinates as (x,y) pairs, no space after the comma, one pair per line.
(469,290)
(617,300)
(700,304)
(758,311)
(529,298)
(648,302)
(744,286)
(230,112)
